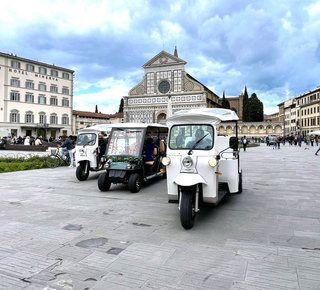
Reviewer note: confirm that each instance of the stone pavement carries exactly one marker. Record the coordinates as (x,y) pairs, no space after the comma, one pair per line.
(59,233)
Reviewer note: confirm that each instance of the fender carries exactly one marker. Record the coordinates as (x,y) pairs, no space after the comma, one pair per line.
(187,179)
(83,159)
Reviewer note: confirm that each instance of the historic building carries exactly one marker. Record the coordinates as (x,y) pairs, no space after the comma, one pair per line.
(308,111)
(35,98)
(165,77)
(82,119)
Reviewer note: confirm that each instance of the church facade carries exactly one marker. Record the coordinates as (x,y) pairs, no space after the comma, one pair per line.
(165,77)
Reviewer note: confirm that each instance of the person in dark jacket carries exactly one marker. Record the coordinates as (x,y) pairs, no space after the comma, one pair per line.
(67,146)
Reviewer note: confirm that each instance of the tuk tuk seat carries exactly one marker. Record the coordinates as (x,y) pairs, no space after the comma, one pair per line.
(155,152)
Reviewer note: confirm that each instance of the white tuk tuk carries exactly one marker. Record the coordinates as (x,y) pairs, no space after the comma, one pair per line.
(202,165)
(90,149)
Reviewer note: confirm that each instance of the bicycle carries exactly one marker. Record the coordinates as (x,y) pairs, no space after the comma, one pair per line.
(55,159)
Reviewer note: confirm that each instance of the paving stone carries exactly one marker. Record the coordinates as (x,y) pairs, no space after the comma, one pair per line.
(265,238)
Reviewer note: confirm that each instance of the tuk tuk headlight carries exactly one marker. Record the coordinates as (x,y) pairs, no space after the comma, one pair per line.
(166,161)
(213,162)
(187,162)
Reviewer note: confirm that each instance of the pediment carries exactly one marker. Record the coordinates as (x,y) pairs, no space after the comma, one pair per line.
(164,59)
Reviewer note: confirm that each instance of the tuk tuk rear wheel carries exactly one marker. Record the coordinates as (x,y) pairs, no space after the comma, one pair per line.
(103,182)
(187,209)
(134,182)
(82,171)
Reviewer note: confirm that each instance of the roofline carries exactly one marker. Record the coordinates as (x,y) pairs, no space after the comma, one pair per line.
(8,55)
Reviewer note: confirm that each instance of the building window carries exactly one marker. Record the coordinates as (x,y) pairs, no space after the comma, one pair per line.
(15,82)
(14,117)
(29,98)
(65,91)
(29,67)
(53,119)
(15,64)
(65,75)
(65,103)
(65,120)
(53,89)
(42,70)
(42,87)
(42,119)
(164,87)
(29,85)
(42,100)
(14,96)
(54,73)
(29,118)
(54,101)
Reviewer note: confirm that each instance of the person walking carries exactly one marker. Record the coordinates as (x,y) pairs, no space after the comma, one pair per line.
(317,150)
(244,143)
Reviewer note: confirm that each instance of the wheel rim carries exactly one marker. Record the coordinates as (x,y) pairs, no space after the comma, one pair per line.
(138,183)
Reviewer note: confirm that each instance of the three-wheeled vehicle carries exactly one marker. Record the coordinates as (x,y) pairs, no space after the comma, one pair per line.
(90,149)
(131,158)
(202,165)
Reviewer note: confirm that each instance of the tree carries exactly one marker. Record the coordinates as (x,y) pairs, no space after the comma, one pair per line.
(255,108)
(96,109)
(246,106)
(121,106)
(225,103)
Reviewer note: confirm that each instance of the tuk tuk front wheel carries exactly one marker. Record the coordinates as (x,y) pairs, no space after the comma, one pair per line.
(103,182)
(240,183)
(82,171)
(187,209)
(134,182)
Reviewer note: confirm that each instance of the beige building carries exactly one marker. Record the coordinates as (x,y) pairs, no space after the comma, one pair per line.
(165,77)
(35,98)
(82,119)
(308,111)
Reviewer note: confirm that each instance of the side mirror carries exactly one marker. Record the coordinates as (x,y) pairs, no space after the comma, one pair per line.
(233,143)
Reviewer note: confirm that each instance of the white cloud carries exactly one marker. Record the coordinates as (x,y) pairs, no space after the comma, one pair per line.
(272,47)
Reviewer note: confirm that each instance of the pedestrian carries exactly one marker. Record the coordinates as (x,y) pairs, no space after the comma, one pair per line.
(300,139)
(318,149)
(244,143)
(278,141)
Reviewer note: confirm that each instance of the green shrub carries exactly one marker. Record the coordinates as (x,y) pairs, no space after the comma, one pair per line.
(17,164)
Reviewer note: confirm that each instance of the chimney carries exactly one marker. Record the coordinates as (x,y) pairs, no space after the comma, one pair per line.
(175,52)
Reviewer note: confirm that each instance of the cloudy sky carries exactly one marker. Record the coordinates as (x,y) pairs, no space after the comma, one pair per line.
(270,46)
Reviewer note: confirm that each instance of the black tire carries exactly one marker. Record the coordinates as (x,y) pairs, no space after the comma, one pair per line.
(187,209)
(104,182)
(134,182)
(82,171)
(240,183)
(52,161)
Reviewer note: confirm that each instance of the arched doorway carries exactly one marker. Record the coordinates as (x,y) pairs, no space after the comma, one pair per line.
(161,119)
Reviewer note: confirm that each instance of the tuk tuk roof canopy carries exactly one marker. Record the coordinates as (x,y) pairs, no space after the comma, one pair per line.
(314,133)
(100,127)
(206,115)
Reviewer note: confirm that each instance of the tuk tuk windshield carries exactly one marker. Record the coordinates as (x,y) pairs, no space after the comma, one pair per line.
(185,137)
(86,139)
(125,142)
